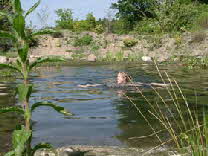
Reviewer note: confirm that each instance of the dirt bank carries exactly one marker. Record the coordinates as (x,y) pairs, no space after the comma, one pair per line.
(111,46)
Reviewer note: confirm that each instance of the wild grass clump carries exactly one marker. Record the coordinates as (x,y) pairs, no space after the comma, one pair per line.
(187,131)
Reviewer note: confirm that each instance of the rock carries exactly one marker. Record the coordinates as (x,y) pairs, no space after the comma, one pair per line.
(32,59)
(78,150)
(91,58)
(68,55)
(146,59)
(12,60)
(3,59)
(3,94)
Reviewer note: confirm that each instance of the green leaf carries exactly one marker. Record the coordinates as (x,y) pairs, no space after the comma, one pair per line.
(57,108)
(9,66)
(12,109)
(46,60)
(24,92)
(8,16)
(43,32)
(41,146)
(19,25)
(17,8)
(32,8)
(11,153)
(3,13)
(19,139)
(23,52)
(8,35)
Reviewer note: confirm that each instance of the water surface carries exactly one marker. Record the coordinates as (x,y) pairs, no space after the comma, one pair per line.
(102,115)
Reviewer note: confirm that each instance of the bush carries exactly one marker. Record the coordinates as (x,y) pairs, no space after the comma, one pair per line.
(147,26)
(99,29)
(178,17)
(129,42)
(83,41)
(80,26)
(57,35)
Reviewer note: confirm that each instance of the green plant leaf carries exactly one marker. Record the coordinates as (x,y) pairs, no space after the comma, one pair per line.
(11,153)
(8,16)
(17,8)
(3,13)
(33,8)
(19,25)
(23,52)
(8,35)
(9,66)
(12,109)
(24,92)
(46,60)
(57,108)
(19,139)
(41,146)
(43,32)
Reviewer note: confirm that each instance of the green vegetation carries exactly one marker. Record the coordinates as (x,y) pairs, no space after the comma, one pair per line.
(83,41)
(22,136)
(153,16)
(142,17)
(188,131)
(129,42)
(65,19)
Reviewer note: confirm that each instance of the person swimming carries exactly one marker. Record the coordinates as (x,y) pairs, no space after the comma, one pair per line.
(124,80)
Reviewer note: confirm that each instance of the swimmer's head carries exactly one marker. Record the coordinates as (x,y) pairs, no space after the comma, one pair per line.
(122,78)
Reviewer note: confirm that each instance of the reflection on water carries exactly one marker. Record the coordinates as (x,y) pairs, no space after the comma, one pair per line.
(103,116)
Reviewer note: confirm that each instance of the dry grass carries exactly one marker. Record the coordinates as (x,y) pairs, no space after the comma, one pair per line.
(187,132)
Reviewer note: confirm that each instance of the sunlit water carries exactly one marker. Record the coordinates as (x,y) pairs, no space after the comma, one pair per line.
(102,115)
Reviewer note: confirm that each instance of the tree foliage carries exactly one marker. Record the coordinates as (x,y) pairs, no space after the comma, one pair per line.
(132,11)
(65,18)
(153,16)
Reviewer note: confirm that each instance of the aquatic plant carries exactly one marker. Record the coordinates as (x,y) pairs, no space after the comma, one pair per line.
(187,130)
(22,136)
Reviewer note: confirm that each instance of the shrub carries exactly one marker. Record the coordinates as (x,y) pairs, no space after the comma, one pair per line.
(80,26)
(129,42)
(99,29)
(57,35)
(83,41)
(147,26)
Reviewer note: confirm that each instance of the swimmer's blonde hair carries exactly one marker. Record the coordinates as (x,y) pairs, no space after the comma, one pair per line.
(125,75)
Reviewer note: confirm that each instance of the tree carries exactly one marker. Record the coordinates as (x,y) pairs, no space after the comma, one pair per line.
(90,19)
(65,20)
(132,11)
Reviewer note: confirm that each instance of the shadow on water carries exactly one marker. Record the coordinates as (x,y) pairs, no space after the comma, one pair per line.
(103,116)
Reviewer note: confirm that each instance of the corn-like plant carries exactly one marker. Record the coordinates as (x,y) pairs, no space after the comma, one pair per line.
(23,134)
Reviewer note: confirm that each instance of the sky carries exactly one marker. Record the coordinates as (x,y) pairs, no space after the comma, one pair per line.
(79,8)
